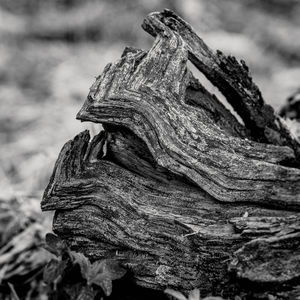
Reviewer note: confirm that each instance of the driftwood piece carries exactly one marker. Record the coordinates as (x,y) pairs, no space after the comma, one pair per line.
(146,93)
(175,187)
(233,80)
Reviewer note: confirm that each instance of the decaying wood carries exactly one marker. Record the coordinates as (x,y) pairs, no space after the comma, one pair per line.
(146,93)
(175,187)
(233,80)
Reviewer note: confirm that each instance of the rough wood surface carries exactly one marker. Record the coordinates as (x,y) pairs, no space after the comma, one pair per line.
(233,80)
(167,231)
(175,187)
(146,92)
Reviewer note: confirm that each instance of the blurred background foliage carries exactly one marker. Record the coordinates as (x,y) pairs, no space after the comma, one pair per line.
(51,51)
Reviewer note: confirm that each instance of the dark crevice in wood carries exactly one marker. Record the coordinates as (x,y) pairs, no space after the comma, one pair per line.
(131,152)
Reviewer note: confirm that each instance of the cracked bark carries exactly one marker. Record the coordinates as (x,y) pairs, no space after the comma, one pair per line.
(175,187)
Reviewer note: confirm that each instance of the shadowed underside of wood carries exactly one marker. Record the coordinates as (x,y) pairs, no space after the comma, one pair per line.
(233,80)
(118,203)
(175,187)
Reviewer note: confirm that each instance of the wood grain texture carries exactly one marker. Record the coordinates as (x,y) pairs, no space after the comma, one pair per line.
(175,187)
(147,93)
(233,80)
(167,231)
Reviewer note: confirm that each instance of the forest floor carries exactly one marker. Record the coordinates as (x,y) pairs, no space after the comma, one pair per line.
(50,53)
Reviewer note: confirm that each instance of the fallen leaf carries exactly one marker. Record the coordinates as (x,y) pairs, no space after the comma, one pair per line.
(175,294)
(194,295)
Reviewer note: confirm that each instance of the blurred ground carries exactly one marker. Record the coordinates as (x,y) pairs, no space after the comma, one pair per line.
(50,52)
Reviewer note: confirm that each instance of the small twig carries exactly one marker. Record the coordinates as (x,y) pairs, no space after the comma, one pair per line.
(13,291)
(192,233)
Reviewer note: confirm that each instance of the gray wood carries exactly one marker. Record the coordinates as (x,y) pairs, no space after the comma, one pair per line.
(175,187)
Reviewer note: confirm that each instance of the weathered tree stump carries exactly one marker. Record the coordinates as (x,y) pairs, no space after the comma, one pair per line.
(175,187)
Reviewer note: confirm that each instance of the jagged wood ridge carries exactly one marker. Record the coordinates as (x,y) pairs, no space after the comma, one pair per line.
(146,92)
(233,80)
(164,187)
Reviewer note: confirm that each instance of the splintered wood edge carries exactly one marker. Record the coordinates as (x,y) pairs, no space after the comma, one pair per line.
(233,80)
(105,183)
(146,92)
